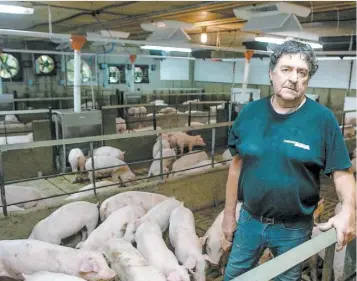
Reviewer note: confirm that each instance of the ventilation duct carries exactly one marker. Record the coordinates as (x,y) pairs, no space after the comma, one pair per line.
(272,17)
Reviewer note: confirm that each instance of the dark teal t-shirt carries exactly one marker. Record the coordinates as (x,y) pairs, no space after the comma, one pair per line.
(283,155)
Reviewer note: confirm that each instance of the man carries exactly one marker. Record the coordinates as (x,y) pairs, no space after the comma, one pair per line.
(279,145)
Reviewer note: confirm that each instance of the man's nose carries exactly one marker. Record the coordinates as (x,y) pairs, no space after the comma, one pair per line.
(293,77)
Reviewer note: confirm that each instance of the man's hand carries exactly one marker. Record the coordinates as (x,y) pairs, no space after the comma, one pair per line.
(229,225)
(345,224)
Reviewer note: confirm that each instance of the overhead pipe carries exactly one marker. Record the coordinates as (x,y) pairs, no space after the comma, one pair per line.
(92,38)
(77,43)
(248,55)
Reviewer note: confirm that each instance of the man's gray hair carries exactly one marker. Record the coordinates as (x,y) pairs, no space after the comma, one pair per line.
(294,47)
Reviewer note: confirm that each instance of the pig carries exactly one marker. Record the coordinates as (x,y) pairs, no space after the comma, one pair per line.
(212,121)
(227,157)
(67,221)
(152,246)
(168,110)
(111,188)
(189,160)
(27,256)
(123,172)
(134,111)
(214,108)
(319,210)
(193,111)
(129,263)
(183,140)
(166,163)
(146,200)
(50,276)
(156,148)
(349,132)
(197,168)
(151,114)
(120,125)
(159,214)
(142,110)
(76,159)
(109,151)
(183,238)
(193,124)
(16,194)
(350,121)
(214,240)
(113,226)
(10,118)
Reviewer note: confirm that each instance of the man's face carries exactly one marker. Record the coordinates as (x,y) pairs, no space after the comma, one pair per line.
(290,76)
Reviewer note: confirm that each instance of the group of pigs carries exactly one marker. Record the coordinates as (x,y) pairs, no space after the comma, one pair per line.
(128,243)
(108,160)
(173,145)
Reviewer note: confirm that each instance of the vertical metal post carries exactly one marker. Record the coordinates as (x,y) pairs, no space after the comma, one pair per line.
(154,116)
(328,263)
(213,146)
(5,131)
(230,104)
(2,186)
(343,123)
(189,114)
(161,160)
(93,171)
(209,116)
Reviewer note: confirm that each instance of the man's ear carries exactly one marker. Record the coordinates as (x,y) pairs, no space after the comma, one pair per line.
(270,76)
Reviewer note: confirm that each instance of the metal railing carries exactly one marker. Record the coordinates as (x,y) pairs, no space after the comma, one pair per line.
(91,140)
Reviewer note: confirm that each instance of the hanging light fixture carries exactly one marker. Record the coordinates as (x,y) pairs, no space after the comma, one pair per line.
(204,35)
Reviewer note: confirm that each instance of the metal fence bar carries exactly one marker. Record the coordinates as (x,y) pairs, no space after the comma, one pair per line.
(328,263)
(161,160)
(93,169)
(270,269)
(2,186)
(105,137)
(213,145)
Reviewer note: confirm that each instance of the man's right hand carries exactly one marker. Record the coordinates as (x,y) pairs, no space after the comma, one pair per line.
(229,225)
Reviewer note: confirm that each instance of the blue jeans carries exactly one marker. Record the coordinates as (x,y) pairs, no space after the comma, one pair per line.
(252,237)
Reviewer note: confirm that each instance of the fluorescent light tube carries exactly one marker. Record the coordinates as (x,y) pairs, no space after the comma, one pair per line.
(270,40)
(167,49)
(12,9)
(280,41)
(327,58)
(349,58)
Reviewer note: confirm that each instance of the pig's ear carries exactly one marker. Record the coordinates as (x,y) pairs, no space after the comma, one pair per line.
(25,276)
(89,265)
(203,240)
(173,276)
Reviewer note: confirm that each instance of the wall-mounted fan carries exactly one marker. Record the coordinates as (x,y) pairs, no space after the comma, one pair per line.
(85,71)
(116,74)
(10,67)
(45,65)
(141,74)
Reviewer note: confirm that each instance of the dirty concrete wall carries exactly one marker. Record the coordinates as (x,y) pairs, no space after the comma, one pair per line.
(28,163)
(196,191)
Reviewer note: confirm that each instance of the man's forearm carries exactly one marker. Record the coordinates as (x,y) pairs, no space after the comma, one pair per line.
(232,185)
(345,188)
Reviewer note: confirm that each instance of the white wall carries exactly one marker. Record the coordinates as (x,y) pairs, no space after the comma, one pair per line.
(331,74)
(174,69)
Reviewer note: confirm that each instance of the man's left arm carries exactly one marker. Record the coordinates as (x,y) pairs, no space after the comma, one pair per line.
(345,221)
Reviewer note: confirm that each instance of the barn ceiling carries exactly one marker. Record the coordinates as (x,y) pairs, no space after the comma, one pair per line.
(327,19)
